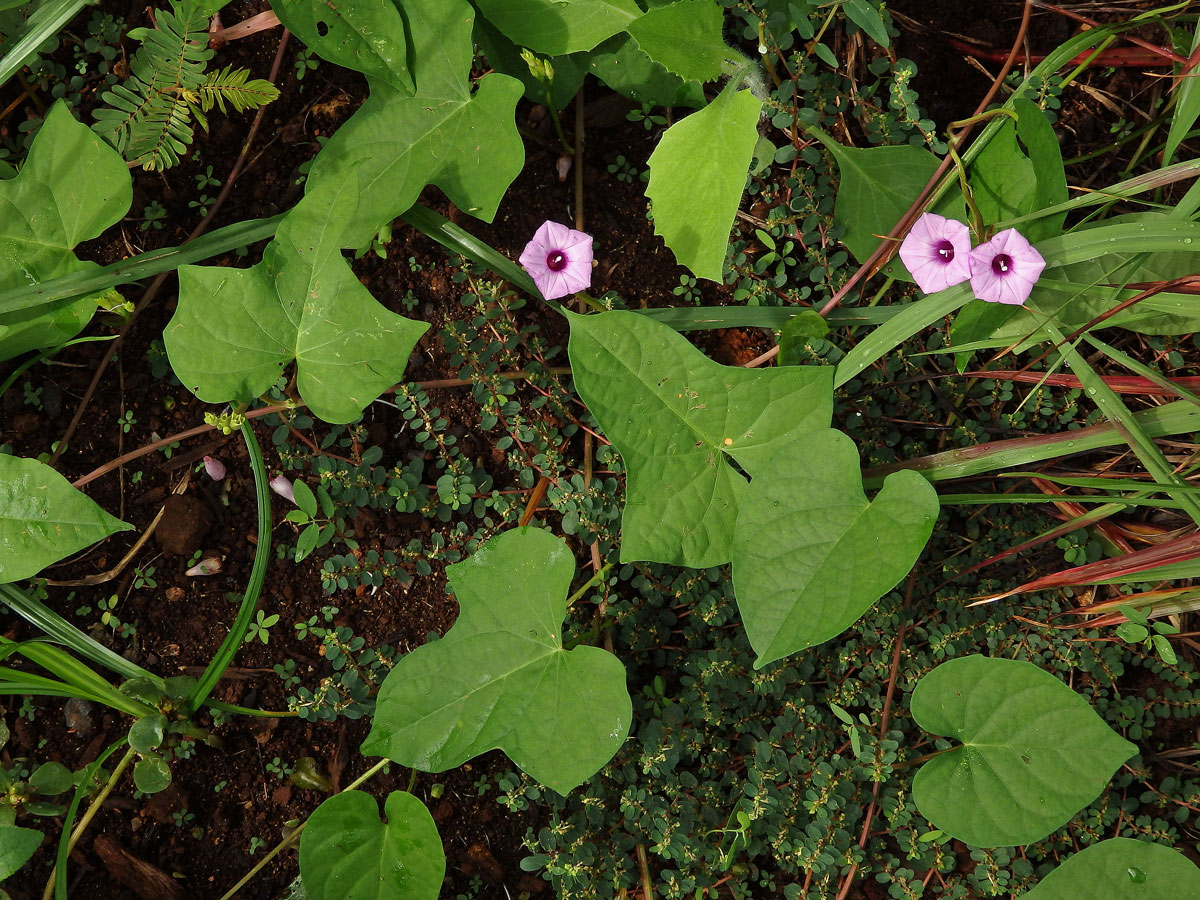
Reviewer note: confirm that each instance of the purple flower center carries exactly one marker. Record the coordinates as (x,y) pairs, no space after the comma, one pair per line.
(1002,264)
(945,250)
(556,260)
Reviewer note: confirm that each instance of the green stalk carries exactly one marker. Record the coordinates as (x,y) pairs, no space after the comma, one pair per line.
(138,267)
(68,837)
(47,20)
(262,552)
(1123,420)
(63,632)
(989,499)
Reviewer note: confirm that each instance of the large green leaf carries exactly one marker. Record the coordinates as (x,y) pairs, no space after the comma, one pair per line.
(466,143)
(626,68)
(1002,177)
(697,175)
(1033,751)
(684,38)
(680,421)
(811,554)
(876,186)
(554,27)
(502,678)
(17,846)
(43,518)
(1121,869)
(236,329)
(72,187)
(365,37)
(346,853)
(1009,184)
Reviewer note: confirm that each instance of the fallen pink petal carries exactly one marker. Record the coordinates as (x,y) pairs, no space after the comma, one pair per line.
(283,488)
(937,252)
(559,259)
(1005,269)
(210,565)
(215,468)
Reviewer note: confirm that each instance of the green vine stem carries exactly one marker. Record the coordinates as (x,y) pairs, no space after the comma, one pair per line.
(262,553)
(56,886)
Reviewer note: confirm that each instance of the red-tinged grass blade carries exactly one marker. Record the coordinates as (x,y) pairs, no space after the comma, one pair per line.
(1113,571)
(1155,604)
(1072,511)
(1122,384)
(1178,417)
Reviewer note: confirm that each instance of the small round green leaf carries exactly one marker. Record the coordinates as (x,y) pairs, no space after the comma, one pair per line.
(1033,751)
(346,853)
(1121,869)
(17,846)
(151,774)
(52,778)
(146,734)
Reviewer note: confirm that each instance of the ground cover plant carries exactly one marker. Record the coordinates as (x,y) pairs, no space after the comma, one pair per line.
(595,449)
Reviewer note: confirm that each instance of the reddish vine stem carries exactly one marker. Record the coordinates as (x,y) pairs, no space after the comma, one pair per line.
(884,719)
(155,286)
(888,246)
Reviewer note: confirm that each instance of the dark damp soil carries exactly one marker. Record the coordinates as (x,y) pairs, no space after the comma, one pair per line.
(228,791)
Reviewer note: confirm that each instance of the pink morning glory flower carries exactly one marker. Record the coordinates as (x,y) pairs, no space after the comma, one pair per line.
(559,259)
(1005,269)
(937,252)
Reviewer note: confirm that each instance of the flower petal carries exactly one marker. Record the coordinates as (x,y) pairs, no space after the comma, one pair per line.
(923,252)
(1023,268)
(576,249)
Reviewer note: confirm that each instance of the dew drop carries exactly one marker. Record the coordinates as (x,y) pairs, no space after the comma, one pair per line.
(1136,875)
(1187,240)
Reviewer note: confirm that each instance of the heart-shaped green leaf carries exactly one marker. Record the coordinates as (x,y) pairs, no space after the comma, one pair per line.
(235,330)
(811,554)
(43,518)
(365,37)
(684,38)
(346,853)
(1121,869)
(554,27)
(17,846)
(679,420)
(501,677)
(1033,751)
(697,175)
(466,143)
(72,187)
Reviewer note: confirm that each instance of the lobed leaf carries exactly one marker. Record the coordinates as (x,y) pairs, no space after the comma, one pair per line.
(43,518)
(684,38)
(70,189)
(501,677)
(697,175)
(680,422)
(466,143)
(555,27)
(346,853)
(1121,869)
(235,330)
(365,37)
(811,554)
(1033,751)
